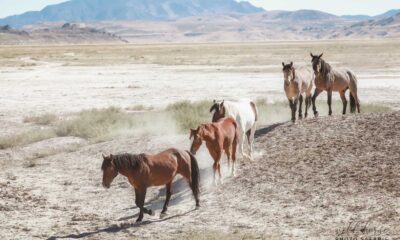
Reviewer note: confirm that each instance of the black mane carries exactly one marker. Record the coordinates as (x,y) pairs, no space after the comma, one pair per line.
(325,67)
(124,160)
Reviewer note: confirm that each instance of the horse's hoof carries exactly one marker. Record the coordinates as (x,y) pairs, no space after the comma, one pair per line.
(316,114)
(138,220)
(163,215)
(197,207)
(151,212)
(300,116)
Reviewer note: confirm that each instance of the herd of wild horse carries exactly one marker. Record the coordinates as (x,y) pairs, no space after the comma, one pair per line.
(233,123)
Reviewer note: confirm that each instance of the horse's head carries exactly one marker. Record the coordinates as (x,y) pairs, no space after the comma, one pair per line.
(316,63)
(197,135)
(289,73)
(109,170)
(218,109)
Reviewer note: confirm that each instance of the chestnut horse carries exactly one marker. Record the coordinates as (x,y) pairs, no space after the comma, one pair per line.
(145,170)
(245,114)
(219,136)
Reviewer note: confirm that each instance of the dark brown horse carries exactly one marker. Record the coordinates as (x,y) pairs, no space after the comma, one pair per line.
(145,170)
(219,136)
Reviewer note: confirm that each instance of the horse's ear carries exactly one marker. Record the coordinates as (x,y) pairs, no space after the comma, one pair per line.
(311,55)
(320,55)
(104,156)
(222,103)
(283,64)
(291,64)
(214,101)
(192,131)
(212,107)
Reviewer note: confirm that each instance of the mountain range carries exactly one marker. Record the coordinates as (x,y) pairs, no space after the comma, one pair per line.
(96,10)
(191,21)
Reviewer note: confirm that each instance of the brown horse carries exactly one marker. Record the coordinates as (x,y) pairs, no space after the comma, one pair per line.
(331,80)
(145,170)
(219,136)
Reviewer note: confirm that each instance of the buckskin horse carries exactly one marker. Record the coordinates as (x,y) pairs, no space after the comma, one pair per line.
(219,137)
(144,170)
(338,80)
(245,114)
(297,82)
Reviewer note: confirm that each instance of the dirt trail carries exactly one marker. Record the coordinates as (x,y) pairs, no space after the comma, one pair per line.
(309,180)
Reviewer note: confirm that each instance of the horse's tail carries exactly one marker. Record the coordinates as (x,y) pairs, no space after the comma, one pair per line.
(254,108)
(354,101)
(195,177)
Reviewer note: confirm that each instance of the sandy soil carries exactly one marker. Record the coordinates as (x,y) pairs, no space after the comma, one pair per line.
(306,182)
(309,180)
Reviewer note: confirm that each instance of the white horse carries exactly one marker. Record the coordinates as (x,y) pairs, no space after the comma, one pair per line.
(245,113)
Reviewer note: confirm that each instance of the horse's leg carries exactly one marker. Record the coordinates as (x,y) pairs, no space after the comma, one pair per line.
(219,172)
(330,101)
(344,100)
(295,102)
(228,152)
(140,197)
(307,102)
(251,141)
(216,155)
(300,105)
(233,152)
(168,187)
(242,140)
(314,97)
(291,104)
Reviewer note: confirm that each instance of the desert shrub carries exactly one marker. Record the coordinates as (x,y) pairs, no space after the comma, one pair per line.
(44,119)
(95,123)
(189,114)
(26,138)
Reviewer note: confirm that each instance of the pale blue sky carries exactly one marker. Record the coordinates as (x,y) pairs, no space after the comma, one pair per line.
(340,7)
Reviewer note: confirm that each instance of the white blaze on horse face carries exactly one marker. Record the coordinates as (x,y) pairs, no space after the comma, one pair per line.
(288,76)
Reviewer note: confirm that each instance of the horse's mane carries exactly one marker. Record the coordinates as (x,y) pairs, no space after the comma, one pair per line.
(325,67)
(127,160)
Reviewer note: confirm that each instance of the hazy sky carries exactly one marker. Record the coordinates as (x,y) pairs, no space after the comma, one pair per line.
(340,7)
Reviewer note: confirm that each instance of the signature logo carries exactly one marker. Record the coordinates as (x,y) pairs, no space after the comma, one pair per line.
(358,230)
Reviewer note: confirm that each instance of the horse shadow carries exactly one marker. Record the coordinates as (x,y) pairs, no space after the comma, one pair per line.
(115,228)
(265,130)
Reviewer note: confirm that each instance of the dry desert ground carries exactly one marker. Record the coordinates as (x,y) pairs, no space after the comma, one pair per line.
(63,106)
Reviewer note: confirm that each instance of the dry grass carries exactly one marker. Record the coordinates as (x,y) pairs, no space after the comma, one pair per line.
(95,123)
(102,124)
(45,119)
(189,114)
(359,54)
(139,107)
(26,138)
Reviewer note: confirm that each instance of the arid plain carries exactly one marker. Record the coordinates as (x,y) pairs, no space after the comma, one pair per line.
(62,106)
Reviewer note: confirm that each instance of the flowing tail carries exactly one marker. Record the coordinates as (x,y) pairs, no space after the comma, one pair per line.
(354,101)
(195,178)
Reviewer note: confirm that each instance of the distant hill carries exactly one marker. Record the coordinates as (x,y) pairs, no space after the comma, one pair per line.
(379,27)
(64,34)
(102,10)
(387,14)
